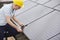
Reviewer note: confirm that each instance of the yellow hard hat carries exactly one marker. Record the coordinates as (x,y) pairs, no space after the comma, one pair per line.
(19,2)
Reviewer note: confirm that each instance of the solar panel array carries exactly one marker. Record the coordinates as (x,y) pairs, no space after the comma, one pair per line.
(43,19)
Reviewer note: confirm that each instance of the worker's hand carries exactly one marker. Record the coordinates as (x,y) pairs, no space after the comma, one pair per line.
(23,26)
(19,29)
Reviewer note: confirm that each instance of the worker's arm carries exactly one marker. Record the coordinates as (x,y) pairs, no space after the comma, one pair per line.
(16,20)
(12,24)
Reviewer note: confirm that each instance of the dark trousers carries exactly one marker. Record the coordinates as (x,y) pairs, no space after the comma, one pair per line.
(7,28)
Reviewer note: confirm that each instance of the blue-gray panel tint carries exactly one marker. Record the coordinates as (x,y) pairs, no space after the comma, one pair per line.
(44,28)
(34,0)
(33,14)
(43,1)
(58,7)
(53,3)
(56,37)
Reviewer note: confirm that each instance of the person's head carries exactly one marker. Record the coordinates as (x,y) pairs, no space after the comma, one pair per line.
(17,4)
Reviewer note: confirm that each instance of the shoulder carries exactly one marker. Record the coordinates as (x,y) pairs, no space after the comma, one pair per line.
(6,9)
(6,6)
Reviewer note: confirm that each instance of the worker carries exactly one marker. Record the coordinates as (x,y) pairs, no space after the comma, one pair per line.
(7,16)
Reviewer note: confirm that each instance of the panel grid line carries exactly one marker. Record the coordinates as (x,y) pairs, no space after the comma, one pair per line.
(54,36)
(40,17)
(27,10)
(56,5)
(47,1)
(45,6)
